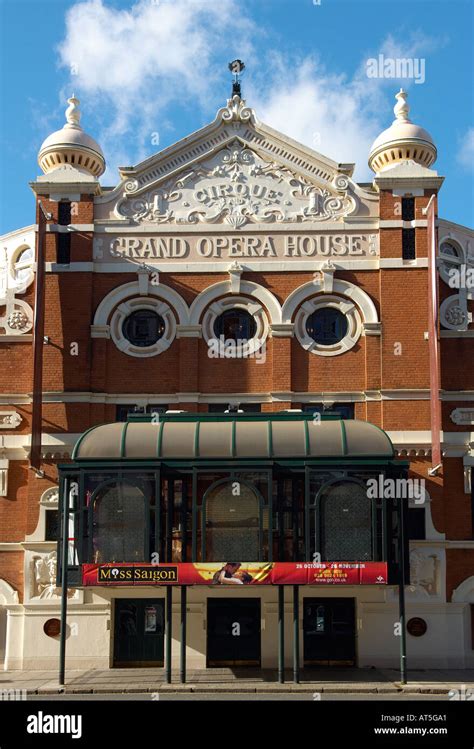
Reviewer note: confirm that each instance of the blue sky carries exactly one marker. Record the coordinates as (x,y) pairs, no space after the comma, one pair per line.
(156,70)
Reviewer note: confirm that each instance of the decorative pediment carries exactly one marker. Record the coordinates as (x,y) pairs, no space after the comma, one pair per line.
(236,186)
(235,172)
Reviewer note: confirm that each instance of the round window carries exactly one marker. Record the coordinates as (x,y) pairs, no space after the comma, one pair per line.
(327,326)
(235,324)
(143,328)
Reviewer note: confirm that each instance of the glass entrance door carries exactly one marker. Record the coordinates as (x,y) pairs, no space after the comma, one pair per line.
(233,632)
(329,631)
(139,632)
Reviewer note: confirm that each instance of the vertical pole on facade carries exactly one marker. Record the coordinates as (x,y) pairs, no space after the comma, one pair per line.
(169,622)
(296,635)
(183,636)
(401,591)
(64,562)
(281,634)
(38,341)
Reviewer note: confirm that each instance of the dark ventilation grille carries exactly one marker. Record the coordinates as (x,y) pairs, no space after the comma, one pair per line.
(119,524)
(346,519)
(52,529)
(408,244)
(232,525)
(408,209)
(343,410)
(416,523)
(122,412)
(220,408)
(63,248)
(64,213)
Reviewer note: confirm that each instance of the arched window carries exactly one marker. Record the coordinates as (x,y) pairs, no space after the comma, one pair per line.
(119,523)
(232,523)
(345,521)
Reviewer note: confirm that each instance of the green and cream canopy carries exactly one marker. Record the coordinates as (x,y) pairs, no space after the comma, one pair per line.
(232,438)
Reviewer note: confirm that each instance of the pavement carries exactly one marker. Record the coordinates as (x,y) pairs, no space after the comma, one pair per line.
(457,684)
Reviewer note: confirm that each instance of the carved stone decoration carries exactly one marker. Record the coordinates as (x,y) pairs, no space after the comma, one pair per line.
(16,275)
(456,260)
(454,314)
(10,419)
(236,187)
(424,570)
(463,416)
(18,317)
(50,498)
(236,111)
(44,577)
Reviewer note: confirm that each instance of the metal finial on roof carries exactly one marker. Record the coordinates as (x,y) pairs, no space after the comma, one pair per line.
(236,67)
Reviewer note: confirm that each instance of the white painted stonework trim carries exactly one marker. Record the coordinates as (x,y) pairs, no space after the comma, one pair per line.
(419,223)
(345,307)
(61,229)
(10,419)
(249,288)
(463,416)
(283,330)
(464,593)
(129,306)
(189,331)
(121,293)
(344,288)
(256,266)
(8,595)
(237,302)
(364,224)
(365,396)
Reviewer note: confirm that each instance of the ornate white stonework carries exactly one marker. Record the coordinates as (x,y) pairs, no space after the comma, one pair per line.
(456,259)
(245,347)
(346,307)
(16,275)
(236,111)
(45,576)
(463,416)
(425,570)
(235,187)
(10,419)
(50,498)
(40,578)
(125,309)
(454,314)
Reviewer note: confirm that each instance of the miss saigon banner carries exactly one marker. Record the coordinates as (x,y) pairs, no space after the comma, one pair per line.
(236,573)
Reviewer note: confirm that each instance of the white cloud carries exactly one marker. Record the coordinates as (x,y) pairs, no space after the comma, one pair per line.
(465,155)
(133,67)
(337,115)
(333,115)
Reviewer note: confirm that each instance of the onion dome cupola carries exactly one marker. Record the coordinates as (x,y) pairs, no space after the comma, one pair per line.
(71,145)
(402,141)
